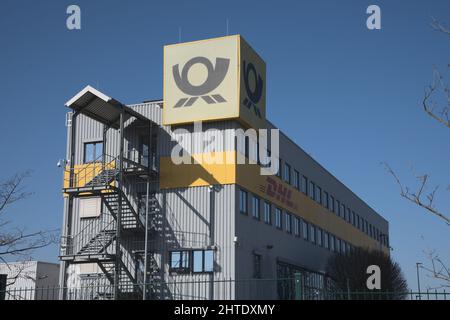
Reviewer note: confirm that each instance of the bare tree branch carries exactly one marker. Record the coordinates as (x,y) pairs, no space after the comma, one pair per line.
(12,190)
(417,197)
(438,269)
(431,107)
(15,242)
(438,26)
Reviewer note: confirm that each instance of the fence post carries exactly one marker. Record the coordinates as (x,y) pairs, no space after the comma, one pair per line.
(348,289)
(3,286)
(298,286)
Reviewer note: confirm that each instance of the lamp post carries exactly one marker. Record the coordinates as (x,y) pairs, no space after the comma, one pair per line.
(418,264)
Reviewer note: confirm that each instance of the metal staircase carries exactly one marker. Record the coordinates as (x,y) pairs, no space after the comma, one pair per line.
(113,240)
(96,242)
(131,221)
(104,178)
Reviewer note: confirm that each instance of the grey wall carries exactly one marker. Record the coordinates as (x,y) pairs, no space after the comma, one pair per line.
(298,159)
(199,218)
(189,221)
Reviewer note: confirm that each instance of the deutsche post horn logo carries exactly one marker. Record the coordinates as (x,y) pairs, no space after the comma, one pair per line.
(213,80)
(253,96)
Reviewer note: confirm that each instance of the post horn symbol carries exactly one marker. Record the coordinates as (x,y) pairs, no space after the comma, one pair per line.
(213,80)
(253,96)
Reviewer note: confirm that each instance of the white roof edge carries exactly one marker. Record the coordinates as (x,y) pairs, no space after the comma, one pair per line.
(87,89)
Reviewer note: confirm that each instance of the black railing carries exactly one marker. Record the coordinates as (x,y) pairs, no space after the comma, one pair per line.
(212,289)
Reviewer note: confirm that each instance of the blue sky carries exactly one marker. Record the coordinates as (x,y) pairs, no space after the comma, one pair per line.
(349,96)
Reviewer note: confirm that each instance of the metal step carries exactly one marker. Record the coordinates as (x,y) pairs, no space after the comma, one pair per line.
(105,177)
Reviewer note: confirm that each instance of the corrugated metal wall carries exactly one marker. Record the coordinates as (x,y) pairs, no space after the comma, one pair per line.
(199,218)
(188,221)
(186,213)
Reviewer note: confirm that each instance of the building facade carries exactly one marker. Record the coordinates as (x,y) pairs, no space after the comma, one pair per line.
(137,224)
(30,280)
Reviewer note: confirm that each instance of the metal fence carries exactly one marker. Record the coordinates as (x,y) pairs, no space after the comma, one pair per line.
(214,289)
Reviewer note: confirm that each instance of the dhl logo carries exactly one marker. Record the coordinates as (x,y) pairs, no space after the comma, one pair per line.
(278,191)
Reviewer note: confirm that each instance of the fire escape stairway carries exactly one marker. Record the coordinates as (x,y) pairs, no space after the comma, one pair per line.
(95,242)
(104,178)
(130,220)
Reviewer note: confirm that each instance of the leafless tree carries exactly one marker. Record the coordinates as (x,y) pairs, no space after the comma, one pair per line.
(436,104)
(15,242)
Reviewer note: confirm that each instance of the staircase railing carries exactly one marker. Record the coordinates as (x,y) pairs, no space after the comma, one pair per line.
(71,245)
(83,174)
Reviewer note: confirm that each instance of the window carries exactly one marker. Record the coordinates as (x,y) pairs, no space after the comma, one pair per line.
(354,218)
(358,221)
(342,214)
(90,207)
(332,243)
(349,215)
(326,200)
(331,203)
(318,194)
(338,208)
(279,168)
(256,266)
(266,157)
(343,246)
(278,218)
(203,261)
(247,147)
(319,236)
(243,201)
(143,151)
(312,190)
(312,234)
(255,207)
(338,245)
(305,229)
(89,269)
(198,261)
(296,227)
(296,180)
(267,213)
(93,151)
(287,173)
(326,240)
(304,185)
(288,221)
(179,261)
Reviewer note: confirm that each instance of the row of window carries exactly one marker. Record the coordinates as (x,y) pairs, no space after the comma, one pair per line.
(197,261)
(315,192)
(328,201)
(291,223)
